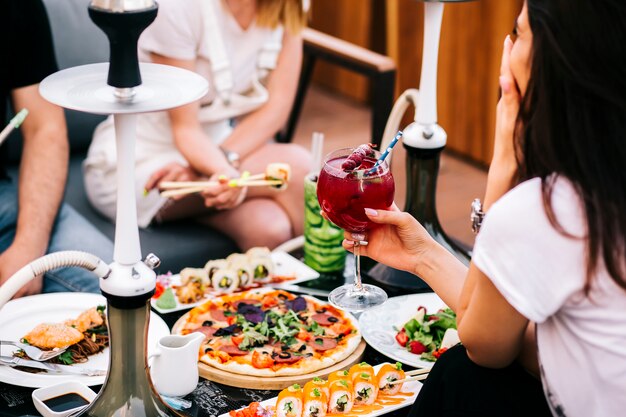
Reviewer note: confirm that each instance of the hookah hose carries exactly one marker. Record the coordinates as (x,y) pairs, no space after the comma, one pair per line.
(49,262)
(407,98)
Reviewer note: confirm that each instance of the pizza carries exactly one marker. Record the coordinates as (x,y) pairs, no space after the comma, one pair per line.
(270,332)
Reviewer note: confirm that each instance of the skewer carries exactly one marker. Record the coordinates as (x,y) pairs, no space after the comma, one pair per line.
(417,372)
(413,378)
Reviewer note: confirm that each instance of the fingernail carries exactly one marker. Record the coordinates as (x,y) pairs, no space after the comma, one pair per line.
(145,192)
(348,242)
(357,236)
(505,85)
(371,212)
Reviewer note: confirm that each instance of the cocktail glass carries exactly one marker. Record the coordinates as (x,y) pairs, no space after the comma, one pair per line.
(343,196)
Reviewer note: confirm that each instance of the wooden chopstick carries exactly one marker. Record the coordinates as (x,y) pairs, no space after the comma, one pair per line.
(417,372)
(197,189)
(167,185)
(181,191)
(413,378)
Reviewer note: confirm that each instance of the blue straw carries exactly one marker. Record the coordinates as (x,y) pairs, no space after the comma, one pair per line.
(384,155)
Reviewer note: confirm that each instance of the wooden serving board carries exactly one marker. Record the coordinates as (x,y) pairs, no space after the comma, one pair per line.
(277,382)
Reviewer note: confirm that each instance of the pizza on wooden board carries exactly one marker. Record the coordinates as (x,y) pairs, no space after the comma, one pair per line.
(270,333)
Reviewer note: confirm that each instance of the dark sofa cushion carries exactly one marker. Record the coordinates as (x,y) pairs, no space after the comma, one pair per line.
(78,42)
(178,244)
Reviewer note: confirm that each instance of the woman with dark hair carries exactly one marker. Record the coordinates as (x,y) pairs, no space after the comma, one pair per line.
(543,304)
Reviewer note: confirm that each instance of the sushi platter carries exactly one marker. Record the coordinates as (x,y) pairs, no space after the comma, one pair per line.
(345,393)
(284,269)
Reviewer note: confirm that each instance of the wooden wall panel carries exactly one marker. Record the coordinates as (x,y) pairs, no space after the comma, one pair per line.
(469,58)
(469,61)
(350,20)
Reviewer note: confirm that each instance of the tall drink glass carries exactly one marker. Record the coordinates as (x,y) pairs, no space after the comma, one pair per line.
(343,196)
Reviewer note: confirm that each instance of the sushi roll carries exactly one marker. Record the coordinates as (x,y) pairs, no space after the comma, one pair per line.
(239,263)
(339,375)
(365,389)
(236,259)
(259,251)
(315,403)
(341,399)
(225,281)
(389,373)
(289,402)
(278,171)
(322,384)
(262,267)
(196,275)
(360,368)
(244,273)
(215,265)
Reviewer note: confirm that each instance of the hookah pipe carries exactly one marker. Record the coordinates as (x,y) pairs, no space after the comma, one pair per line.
(424,140)
(128,283)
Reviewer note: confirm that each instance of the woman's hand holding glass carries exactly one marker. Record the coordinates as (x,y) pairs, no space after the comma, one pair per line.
(398,240)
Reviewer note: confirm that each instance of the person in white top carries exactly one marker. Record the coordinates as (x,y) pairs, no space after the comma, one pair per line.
(541,311)
(250,52)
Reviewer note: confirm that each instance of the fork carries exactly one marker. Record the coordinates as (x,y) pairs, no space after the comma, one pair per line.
(34,352)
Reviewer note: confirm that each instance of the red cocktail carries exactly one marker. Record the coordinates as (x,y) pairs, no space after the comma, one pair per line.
(343,195)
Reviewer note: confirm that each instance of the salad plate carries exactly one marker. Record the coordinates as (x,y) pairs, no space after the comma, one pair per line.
(380,325)
(19,316)
(289,269)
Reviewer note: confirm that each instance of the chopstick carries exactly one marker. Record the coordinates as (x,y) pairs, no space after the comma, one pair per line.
(167,185)
(198,188)
(417,372)
(413,378)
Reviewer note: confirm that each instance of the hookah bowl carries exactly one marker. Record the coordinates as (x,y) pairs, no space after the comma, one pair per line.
(424,140)
(131,88)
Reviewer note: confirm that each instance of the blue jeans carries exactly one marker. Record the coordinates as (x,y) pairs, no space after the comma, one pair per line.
(71,231)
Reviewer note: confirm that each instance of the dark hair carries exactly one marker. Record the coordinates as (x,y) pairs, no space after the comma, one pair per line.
(572,120)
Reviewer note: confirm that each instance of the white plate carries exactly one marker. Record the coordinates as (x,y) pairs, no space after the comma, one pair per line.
(19,316)
(286,265)
(408,387)
(377,325)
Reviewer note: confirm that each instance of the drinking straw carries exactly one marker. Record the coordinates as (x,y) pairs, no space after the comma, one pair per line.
(317,145)
(15,122)
(384,155)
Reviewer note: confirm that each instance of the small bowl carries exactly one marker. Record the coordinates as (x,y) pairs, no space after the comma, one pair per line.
(63,392)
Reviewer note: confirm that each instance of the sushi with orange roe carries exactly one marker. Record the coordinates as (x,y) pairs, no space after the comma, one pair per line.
(315,400)
(365,388)
(289,402)
(387,374)
(341,397)
(360,368)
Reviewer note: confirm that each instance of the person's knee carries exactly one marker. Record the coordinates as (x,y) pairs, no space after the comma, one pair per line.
(271,234)
(299,159)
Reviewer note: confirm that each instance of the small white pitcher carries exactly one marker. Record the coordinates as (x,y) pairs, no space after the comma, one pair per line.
(174,367)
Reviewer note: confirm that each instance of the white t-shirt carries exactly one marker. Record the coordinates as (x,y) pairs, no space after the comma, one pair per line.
(178,32)
(541,273)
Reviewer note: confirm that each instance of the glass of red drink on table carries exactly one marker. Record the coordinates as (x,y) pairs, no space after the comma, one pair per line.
(346,186)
